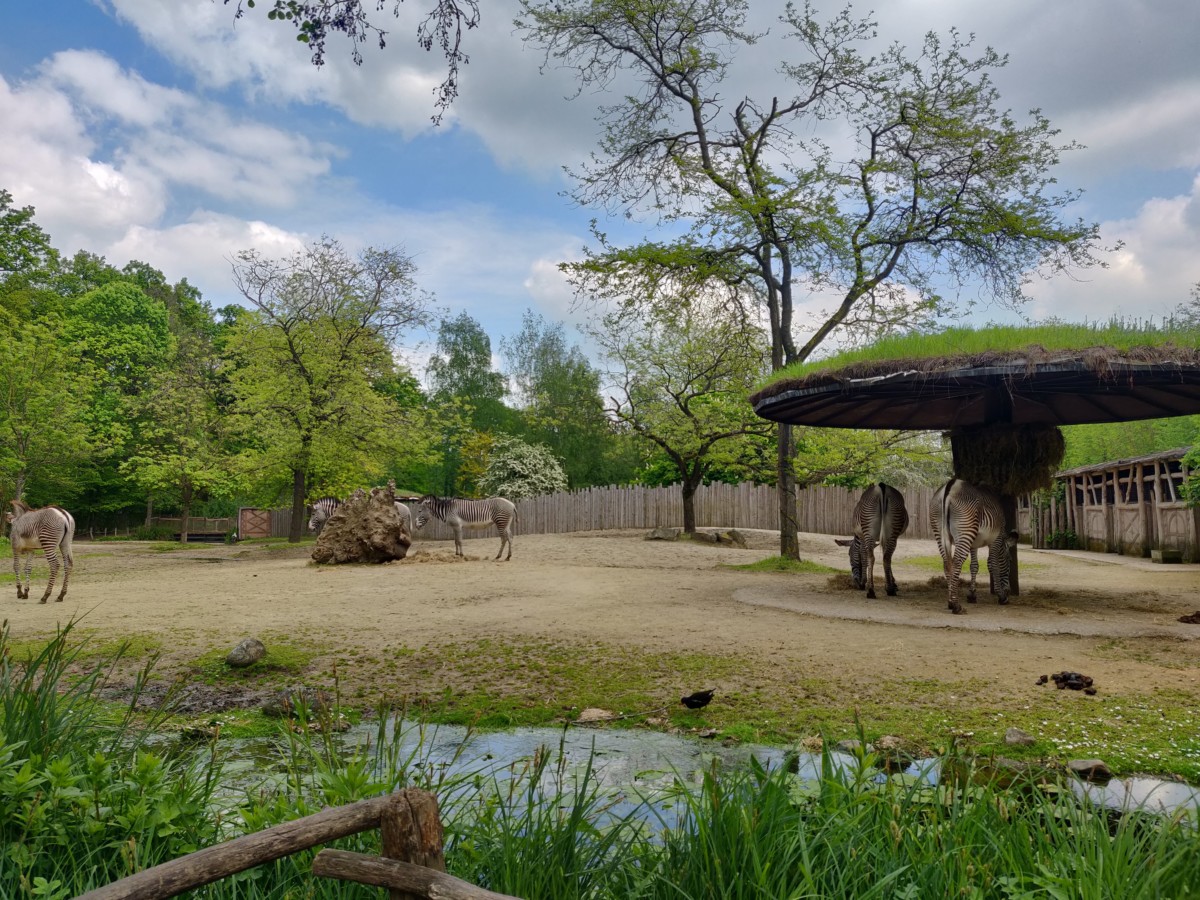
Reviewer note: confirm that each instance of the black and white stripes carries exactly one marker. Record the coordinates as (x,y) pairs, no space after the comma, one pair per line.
(49,529)
(460,514)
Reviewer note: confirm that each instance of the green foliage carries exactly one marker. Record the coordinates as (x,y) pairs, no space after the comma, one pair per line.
(83,800)
(962,342)
(518,470)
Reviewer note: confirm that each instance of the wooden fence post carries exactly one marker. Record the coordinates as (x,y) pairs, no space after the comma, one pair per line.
(411,831)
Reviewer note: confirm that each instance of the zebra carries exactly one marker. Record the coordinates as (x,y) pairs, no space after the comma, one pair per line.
(879,518)
(321,511)
(51,529)
(966,517)
(459,514)
(405,515)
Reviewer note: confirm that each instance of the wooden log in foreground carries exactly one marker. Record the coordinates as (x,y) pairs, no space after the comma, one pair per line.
(399,876)
(216,862)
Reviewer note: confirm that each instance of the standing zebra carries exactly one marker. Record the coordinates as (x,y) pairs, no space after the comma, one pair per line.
(321,511)
(879,518)
(50,529)
(459,514)
(966,517)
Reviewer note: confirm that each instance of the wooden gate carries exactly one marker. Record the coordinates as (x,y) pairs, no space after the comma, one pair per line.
(253,523)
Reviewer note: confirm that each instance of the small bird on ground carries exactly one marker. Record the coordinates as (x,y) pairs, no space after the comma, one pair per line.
(698,700)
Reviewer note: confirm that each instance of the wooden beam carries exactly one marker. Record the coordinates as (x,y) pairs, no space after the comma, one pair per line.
(399,876)
(216,862)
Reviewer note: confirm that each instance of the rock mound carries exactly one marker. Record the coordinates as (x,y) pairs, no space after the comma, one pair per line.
(366,528)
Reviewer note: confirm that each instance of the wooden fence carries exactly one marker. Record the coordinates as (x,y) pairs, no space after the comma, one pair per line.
(821,510)
(412,866)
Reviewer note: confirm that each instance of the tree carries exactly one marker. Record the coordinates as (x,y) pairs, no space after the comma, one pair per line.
(316,20)
(461,375)
(305,358)
(561,407)
(44,435)
(180,449)
(936,188)
(682,374)
(24,246)
(517,470)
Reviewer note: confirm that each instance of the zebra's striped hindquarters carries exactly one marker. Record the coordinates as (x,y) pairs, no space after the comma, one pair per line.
(50,529)
(966,517)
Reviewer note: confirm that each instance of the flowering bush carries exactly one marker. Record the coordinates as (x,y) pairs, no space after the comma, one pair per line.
(517,470)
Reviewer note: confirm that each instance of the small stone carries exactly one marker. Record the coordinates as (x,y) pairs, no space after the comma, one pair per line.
(1015,737)
(1093,770)
(888,743)
(708,733)
(247,653)
(850,745)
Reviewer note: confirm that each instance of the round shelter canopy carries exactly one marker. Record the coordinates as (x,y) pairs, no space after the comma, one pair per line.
(1029,387)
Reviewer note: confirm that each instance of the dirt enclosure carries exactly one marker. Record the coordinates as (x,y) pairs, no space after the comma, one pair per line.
(1111,617)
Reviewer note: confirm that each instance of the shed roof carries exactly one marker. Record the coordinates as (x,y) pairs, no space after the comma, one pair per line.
(1031,386)
(1177,453)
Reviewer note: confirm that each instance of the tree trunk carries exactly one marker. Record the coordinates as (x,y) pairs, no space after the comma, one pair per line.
(789,542)
(297,527)
(689,505)
(149,511)
(186,503)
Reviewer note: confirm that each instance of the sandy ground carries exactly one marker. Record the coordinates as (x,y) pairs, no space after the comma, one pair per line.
(1111,617)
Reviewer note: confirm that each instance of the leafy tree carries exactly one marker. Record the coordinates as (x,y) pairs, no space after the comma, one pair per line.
(316,20)
(460,374)
(179,452)
(44,434)
(517,470)
(933,185)
(24,246)
(122,339)
(682,374)
(306,357)
(561,406)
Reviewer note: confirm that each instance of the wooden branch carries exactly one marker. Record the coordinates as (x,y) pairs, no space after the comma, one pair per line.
(397,875)
(216,862)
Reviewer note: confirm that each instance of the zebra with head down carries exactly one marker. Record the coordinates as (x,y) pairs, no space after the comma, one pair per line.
(966,517)
(460,514)
(325,507)
(880,517)
(49,529)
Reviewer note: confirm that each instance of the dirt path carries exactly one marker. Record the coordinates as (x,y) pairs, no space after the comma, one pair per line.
(1112,617)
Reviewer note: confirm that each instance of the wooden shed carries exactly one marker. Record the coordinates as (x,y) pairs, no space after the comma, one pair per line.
(1128,506)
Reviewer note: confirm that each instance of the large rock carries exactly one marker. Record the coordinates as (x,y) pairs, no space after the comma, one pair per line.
(663,533)
(366,528)
(246,653)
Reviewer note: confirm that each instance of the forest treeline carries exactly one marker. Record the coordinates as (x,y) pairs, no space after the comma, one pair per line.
(124,394)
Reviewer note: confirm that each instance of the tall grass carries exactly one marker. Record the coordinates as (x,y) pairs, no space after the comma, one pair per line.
(1118,334)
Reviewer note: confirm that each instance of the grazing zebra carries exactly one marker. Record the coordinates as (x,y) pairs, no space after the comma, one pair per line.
(50,529)
(966,517)
(321,511)
(879,518)
(459,514)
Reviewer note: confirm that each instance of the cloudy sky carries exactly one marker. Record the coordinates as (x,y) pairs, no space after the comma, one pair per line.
(169,133)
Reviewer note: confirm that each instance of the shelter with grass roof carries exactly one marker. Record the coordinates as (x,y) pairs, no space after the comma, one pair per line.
(999,394)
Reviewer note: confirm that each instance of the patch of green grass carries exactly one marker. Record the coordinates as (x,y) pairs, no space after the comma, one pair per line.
(998,338)
(284,659)
(783,564)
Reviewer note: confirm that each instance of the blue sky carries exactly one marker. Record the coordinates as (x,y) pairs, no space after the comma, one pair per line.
(166,132)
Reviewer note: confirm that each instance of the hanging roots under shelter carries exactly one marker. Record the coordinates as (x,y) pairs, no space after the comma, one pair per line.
(1010,459)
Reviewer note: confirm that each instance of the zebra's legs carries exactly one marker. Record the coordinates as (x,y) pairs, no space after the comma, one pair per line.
(52,561)
(458,551)
(868,551)
(996,552)
(888,550)
(505,538)
(954,574)
(68,565)
(21,594)
(971,597)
